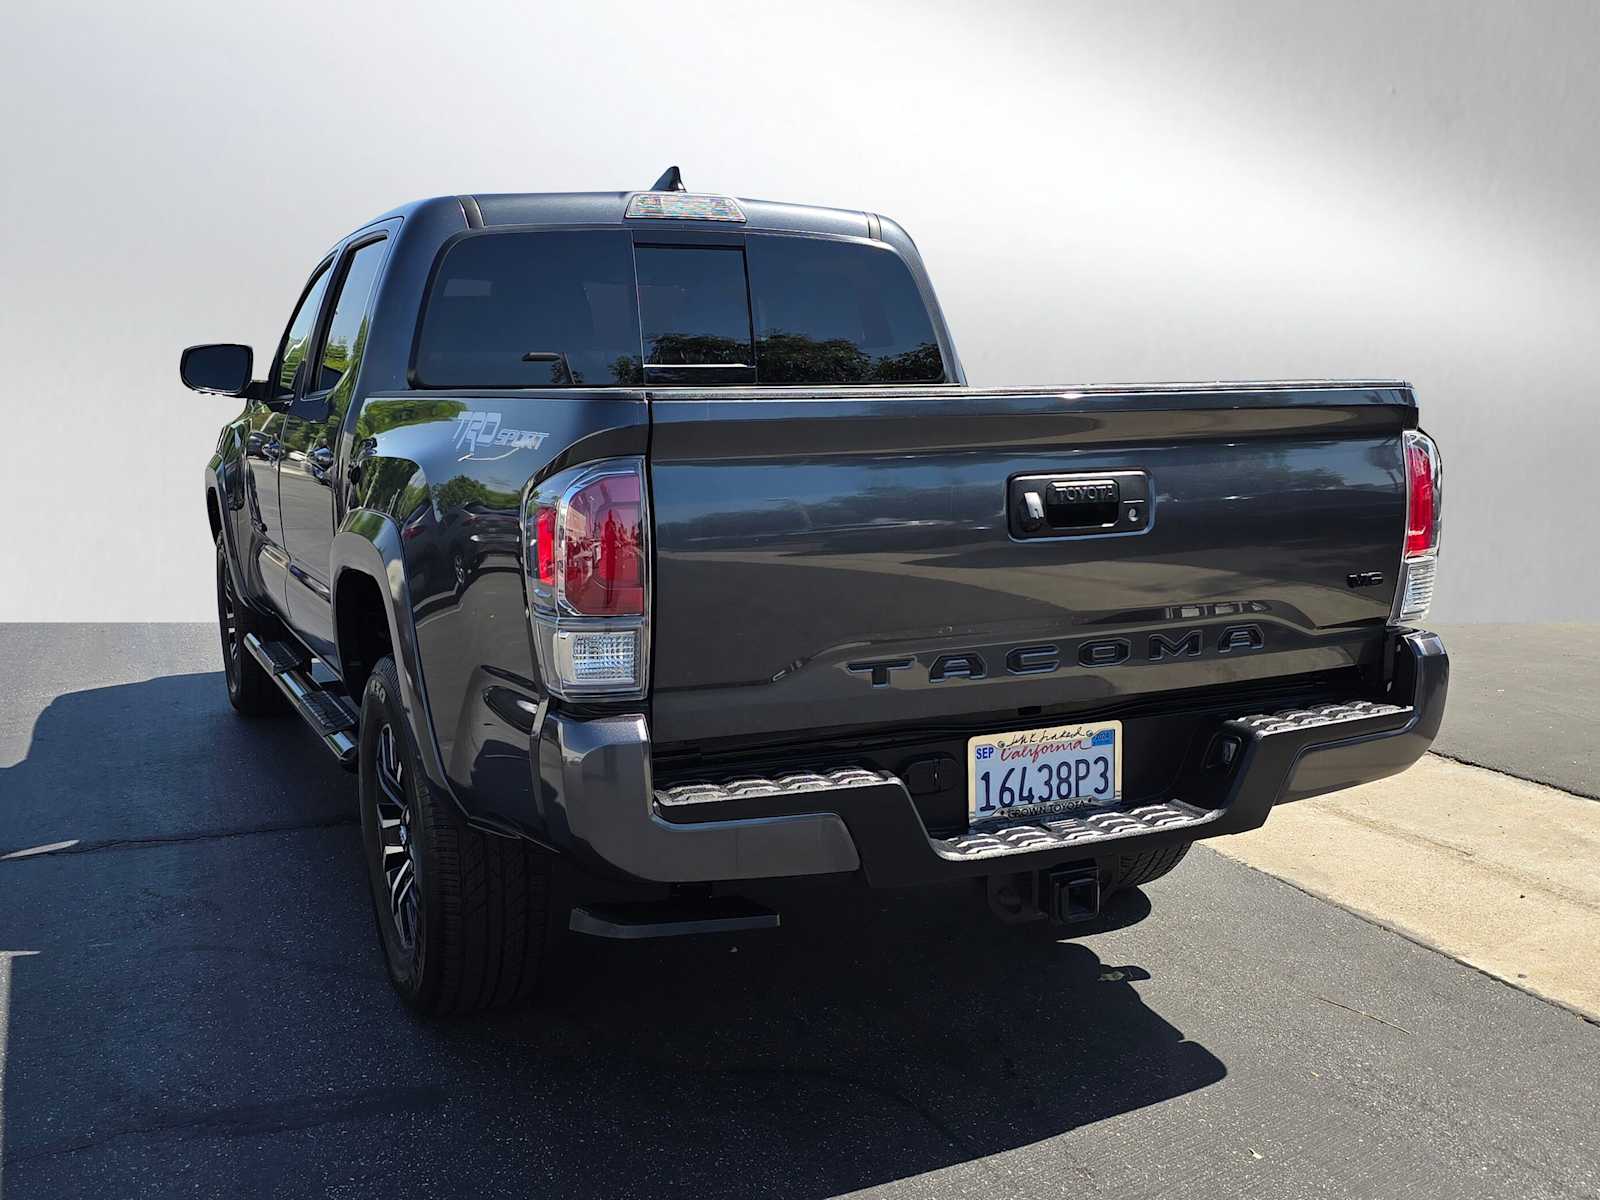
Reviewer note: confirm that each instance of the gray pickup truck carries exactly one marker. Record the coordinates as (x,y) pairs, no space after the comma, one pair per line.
(632,547)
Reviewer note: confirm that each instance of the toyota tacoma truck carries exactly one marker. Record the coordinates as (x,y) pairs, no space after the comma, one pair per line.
(634,547)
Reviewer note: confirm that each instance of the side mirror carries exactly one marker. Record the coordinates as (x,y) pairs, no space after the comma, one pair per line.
(222,368)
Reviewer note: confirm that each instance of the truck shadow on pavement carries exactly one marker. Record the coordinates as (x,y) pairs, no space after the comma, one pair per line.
(192,995)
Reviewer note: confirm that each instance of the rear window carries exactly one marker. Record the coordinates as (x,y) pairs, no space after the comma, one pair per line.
(520,309)
(589,308)
(837,312)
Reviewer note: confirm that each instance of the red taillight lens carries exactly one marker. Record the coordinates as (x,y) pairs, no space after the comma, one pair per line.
(1422,508)
(545,542)
(602,548)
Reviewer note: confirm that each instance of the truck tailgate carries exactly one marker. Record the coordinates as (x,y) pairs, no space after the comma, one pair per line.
(833,558)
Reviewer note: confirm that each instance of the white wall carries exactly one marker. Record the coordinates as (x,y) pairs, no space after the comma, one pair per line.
(1102,191)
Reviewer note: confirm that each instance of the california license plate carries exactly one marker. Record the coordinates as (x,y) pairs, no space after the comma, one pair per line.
(1043,772)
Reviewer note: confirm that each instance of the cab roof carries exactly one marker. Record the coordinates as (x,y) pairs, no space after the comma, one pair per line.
(487,210)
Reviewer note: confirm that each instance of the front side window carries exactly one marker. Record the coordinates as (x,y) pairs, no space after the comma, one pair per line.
(297,341)
(347,329)
(837,312)
(550,309)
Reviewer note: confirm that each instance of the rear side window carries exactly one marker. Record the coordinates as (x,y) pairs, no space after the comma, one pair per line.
(347,329)
(525,309)
(837,312)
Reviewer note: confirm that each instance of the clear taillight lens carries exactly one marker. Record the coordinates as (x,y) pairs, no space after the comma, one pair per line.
(1420,560)
(586,534)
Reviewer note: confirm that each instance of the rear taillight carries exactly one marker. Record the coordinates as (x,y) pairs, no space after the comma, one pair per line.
(586,535)
(1419,563)
(1420,498)
(601,547)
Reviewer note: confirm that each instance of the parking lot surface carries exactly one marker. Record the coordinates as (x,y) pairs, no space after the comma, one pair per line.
(192,1002)
(1525,700)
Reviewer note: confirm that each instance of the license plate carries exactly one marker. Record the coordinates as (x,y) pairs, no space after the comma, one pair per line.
(1043,772)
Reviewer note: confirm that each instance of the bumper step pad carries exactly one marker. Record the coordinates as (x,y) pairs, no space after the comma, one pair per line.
(750,787)
(1061,832)
(1313,718)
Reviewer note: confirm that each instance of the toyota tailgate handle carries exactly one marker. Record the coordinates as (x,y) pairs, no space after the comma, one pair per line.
(1054,506)
(1090,503)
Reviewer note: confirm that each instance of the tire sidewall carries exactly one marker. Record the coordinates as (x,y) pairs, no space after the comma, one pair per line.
(232,667)
(413,972)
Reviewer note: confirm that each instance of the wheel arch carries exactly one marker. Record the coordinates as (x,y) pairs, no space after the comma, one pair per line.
(213,512)
(361,628)
(220,527)
(370,588)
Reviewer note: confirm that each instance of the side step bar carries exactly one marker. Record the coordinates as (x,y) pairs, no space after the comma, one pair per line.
(330,716)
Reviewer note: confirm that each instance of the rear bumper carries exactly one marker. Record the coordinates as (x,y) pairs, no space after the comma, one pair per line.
(600,802)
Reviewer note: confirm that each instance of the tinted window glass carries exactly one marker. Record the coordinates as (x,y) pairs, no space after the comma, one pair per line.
(347,330)
(837,312)
(297,341)
(694,310)
(501,297)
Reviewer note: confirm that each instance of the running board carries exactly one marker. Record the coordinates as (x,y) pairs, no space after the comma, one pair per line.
(330,716)
(676,918)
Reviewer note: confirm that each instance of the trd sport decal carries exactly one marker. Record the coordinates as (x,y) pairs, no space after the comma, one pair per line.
(478,430)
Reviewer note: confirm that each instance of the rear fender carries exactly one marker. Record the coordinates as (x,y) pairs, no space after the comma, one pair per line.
(437,485)
(368,545)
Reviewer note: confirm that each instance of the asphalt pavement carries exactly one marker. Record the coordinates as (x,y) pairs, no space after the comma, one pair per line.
(192,1002)
(1525,700)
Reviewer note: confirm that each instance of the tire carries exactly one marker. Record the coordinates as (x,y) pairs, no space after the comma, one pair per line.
(251,690)
(1135,870)
(463,915)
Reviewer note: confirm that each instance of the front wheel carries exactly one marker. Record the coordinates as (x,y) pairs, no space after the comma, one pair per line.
(250,689)
(463,915)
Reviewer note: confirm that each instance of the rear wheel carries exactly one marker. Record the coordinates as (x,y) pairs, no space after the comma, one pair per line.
(1135,870)
(250,689)
(463,915)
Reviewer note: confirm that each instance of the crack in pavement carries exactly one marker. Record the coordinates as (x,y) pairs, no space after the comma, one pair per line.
(253,1120)
(21,853)
(1501,769)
